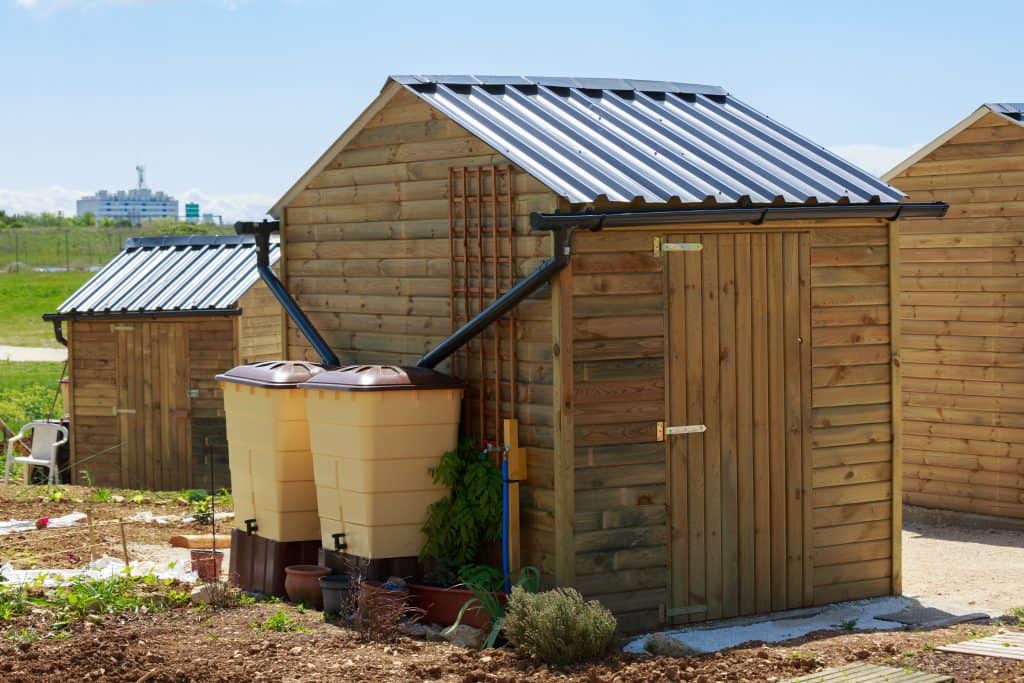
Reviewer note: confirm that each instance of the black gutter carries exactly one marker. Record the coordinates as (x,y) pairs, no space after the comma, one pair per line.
(597,220)
(506,302)
(117,315)
(261,231)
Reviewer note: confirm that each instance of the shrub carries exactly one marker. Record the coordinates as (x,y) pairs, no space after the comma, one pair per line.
(557,626)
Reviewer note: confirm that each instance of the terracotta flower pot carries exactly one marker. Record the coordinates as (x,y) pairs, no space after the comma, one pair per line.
(442,605)
(207,563)
(302,584)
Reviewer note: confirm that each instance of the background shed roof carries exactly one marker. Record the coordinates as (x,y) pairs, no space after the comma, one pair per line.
(171,274)
(628,140)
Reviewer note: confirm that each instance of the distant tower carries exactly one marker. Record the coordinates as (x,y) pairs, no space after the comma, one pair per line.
(141,170)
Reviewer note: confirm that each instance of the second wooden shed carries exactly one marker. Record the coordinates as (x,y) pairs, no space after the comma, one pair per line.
(715,271)
(963,317)
(145,337)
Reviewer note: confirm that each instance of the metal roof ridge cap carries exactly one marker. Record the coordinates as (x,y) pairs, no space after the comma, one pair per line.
(586,83)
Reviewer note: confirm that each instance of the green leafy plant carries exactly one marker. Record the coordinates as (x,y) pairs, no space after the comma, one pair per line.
(483,576)
(557,626)
(280,621)
(486,595)
(202,510)
(847,625)
(102,495)
(459,524)
(13,603)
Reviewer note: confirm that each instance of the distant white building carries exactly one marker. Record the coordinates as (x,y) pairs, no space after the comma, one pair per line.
(137,205)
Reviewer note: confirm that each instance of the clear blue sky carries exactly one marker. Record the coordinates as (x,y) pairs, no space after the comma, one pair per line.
(233,100)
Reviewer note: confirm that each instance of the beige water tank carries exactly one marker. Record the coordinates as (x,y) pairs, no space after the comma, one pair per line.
(375,433)
(268,449)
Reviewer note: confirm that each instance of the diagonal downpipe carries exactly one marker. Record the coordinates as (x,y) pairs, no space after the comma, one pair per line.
(262,231)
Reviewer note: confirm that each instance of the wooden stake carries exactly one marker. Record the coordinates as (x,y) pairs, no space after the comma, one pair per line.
(92,535)
(124,541)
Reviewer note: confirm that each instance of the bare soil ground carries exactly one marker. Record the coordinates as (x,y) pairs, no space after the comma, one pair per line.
(227,645)
(69,547)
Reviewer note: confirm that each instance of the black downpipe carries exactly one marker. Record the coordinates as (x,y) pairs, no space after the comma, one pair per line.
(58,332)
(506,302)
(261,231)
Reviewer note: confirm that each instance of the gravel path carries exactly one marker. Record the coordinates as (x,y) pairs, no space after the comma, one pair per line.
(951,564)
(34,354)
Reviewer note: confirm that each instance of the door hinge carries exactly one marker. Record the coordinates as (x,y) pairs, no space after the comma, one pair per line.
(661,246)
(122,328)
(664,431)
(122,411)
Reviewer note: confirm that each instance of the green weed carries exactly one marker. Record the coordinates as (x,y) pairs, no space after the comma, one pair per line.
(847,625)
(280,621)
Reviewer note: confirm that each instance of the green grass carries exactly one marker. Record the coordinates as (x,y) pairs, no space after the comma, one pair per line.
(25,296)
(27,392)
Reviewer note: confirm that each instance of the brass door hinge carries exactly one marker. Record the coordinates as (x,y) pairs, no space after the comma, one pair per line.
(663,431)
(661,246)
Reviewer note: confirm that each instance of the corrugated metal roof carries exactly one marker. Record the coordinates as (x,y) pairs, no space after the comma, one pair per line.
(171,274)
(654,141)
(1011,110)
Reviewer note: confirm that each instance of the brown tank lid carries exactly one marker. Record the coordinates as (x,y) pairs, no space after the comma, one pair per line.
(272,374)
(381,378)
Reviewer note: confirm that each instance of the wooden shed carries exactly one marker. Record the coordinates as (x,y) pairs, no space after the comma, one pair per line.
(774,335)
(145,337)
(963,317)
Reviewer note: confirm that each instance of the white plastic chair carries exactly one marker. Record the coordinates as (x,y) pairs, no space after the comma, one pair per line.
(47,437)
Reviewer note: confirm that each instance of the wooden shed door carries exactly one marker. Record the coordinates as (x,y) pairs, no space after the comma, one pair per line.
(739,364)
(153,405)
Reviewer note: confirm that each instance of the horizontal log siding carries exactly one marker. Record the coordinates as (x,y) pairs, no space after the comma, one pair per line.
(963,324)
(851,431)
(621,524)
(366,256)
(259,326)
(621,521)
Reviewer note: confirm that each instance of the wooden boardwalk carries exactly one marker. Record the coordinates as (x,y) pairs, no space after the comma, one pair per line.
(1005,645)
(861,672)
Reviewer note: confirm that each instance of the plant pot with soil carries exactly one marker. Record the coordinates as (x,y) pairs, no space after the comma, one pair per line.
(207,563)
(302,584)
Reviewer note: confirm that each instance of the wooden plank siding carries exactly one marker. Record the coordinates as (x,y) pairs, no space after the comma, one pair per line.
(366,254)
(842,507)
(144,398)
(259,326)
(963,324)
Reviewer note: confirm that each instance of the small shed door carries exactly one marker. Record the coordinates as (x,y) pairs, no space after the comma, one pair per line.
(153,405)
(739,364)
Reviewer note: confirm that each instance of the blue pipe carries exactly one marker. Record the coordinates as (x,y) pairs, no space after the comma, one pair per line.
(504,523)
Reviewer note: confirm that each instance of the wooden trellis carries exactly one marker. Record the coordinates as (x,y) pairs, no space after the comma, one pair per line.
(481,240)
